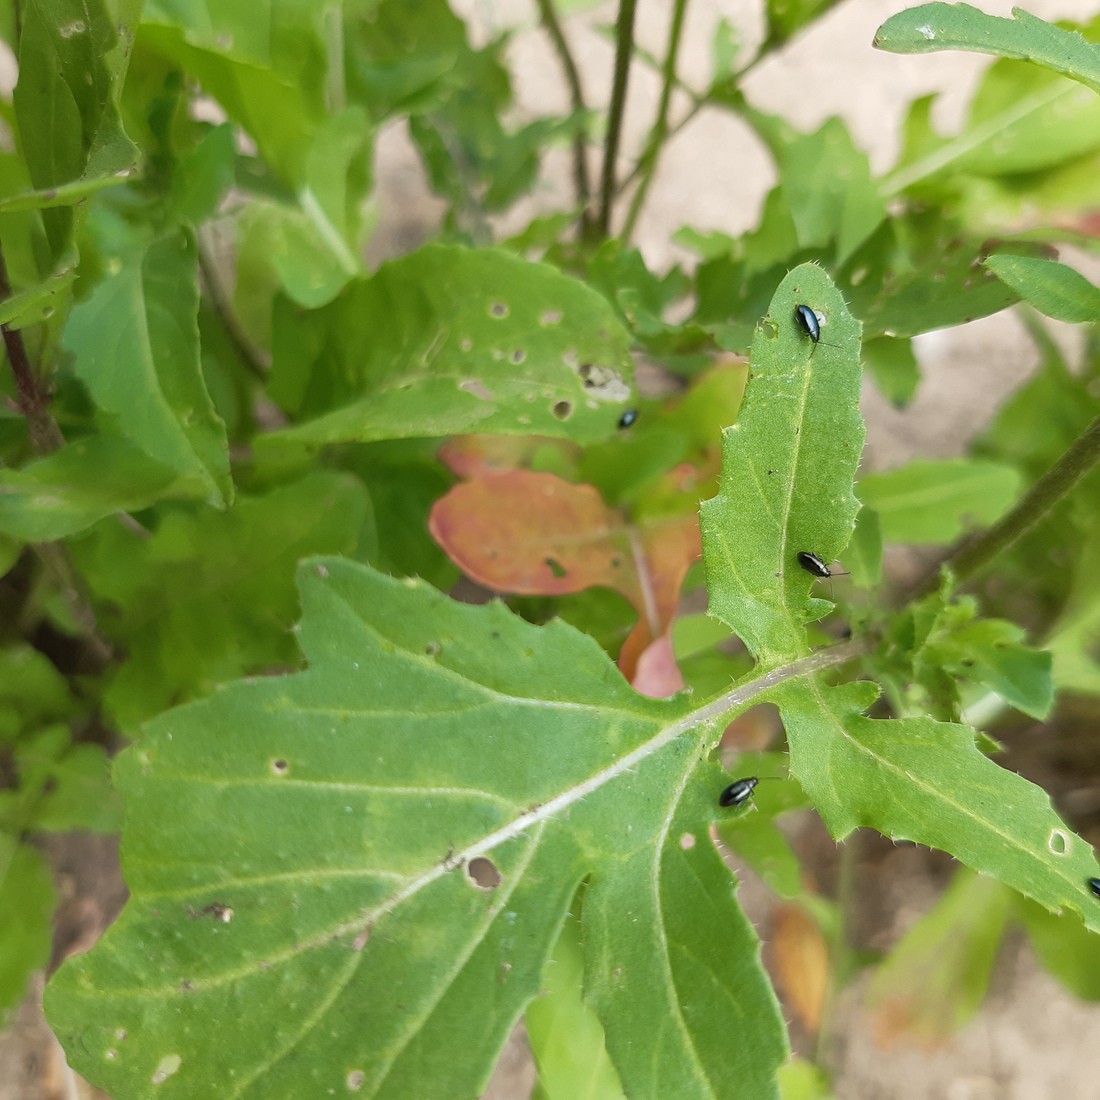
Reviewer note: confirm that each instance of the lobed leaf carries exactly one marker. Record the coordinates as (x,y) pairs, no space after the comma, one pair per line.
(787,470)
(413,814)
(926,781)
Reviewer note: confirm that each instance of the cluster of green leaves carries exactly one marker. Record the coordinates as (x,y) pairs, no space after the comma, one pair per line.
(365,845)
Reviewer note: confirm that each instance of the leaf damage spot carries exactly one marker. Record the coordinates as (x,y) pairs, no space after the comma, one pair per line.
(477,388)
(604,383)
(687,841)
(67,30)
(354,1080)
(433,649)
(280,766)
(556,567)
(466,344)
(550,317)
(1058,842)
(168,1065)
(519,355)
(563,410)
(498,309)
(322,571)
(483,873)
(360,941)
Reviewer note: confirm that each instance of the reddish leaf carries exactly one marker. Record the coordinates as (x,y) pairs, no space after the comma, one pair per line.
(657,672)
(537,534)
(802,962)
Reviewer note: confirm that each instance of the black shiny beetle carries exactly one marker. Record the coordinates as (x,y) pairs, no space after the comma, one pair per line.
(811,326)
(737,793)
(1094,883)
(628,418)
(813,564)
(808,322)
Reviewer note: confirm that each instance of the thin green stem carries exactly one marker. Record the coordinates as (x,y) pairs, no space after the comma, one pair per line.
(972,556)
(219,302)
(847,887)
(659,134)
(624,48)
(553,28)
(698,102)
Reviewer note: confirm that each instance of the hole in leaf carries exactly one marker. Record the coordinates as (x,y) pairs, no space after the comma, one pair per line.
(433,649)
(563,409)
(687,841)
(556,567)
(498,309)
(483,873)
(354,1080)
(280,767)
(166,1067)
(519,355)
(1058,842)
(550,317)
(477,388)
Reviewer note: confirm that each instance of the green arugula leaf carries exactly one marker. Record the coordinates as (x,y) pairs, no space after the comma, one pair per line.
(932,27)
(913,778)
(420,807)
(990,651)
(1052,288)
(448,340)
(936,501)
(136,343)
(210,595)
(922,780)
(77,486)
(72,57)
(26,905)
(789,490)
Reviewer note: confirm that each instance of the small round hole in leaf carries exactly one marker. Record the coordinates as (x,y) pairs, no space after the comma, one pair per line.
(280,767)
(1058,842)
(433,649)
(563,409)
(498,309)
(687,841)
(483,873)
(354,1080)
(519,355)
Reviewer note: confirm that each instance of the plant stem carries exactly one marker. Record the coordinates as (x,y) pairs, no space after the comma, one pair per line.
(55,556)
(573,78)
(34,397)
(659,134)
(973,555)
(624,48)
(847,883)
(698,102)
(219,301)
